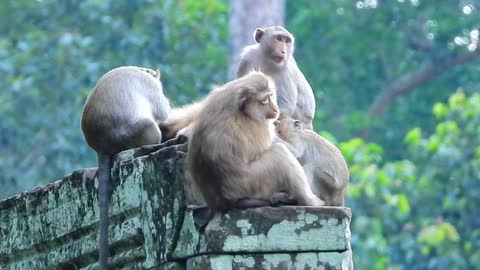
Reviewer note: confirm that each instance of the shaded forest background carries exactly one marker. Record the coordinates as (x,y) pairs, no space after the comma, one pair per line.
(396,83)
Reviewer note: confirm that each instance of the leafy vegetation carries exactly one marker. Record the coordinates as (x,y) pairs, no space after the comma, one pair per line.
(415,169)
(420,213)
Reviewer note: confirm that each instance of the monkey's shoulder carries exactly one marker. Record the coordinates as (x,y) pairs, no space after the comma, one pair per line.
(315,139)
(250,50)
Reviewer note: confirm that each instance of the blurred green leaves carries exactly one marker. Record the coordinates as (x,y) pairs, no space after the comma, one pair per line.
(52,53)
(425,207)
(415,171)
(438,235)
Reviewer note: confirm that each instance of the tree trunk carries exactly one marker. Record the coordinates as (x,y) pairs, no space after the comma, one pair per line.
(244,17)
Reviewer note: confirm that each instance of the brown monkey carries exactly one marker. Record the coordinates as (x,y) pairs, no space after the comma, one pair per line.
(120,113)
(230,152)
(322,161)
(273,55)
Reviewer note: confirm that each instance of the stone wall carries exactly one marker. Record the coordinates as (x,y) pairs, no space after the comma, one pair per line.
(55,226)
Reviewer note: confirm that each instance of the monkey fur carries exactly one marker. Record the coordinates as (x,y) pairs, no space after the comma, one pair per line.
(230,152)
(273,55)
(121,112)
(322,162)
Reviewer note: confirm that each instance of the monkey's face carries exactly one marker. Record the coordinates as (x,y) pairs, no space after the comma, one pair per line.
(277,45)
(266,106)
(287,128)
(261,106)
(258,98)
(269,107)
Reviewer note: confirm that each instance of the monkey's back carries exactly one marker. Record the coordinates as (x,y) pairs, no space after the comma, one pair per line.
(325,157)
(220,149)
(124,99)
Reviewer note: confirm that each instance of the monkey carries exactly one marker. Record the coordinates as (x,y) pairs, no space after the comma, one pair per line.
(322,162)
(231,155)
(272,54)
(121,112)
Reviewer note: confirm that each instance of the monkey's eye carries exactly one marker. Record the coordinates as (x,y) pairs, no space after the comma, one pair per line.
(297,124)
(279,38)
(265,100)
(276,123)
(288,40)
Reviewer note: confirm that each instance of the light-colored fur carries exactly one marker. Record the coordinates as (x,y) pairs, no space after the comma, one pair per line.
(323,163)
(294,93)
(231,155)
(121,112)
(180,120)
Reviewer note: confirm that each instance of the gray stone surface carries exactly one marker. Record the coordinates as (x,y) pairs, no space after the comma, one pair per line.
(278,261)
(267,229)
(55,226)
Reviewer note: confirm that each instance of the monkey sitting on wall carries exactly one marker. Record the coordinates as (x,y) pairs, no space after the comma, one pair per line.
(121,112)
(230,152)
(323,163)
(273,55)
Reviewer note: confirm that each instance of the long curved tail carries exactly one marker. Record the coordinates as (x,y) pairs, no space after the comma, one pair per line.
(103,176)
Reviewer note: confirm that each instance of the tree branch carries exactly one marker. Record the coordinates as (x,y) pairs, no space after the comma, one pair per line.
(408,82)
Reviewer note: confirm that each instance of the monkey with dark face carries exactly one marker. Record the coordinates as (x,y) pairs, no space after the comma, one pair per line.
(273,55)
(323,163)
(230,152)
(121,112)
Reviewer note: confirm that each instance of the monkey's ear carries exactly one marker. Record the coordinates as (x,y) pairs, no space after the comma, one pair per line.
(242,101)
(158,74)
(297,124)
(258,34)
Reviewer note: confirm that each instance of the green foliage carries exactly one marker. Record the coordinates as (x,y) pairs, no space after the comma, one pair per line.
(350,50)
(414,186)
(53,52)
(195,37)
(421,213)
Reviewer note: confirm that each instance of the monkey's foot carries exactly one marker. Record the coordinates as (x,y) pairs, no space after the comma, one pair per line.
(202,215)
(246,203)
(180,139)
(277,199)
(282,198)
(178,143)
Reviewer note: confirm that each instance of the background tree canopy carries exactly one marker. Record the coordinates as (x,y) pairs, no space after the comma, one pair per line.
(396,82)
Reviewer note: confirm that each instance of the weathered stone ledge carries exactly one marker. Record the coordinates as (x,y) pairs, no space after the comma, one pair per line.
(55,226)
(267,229)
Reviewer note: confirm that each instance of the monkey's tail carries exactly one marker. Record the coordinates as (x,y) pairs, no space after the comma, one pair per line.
(103,176)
